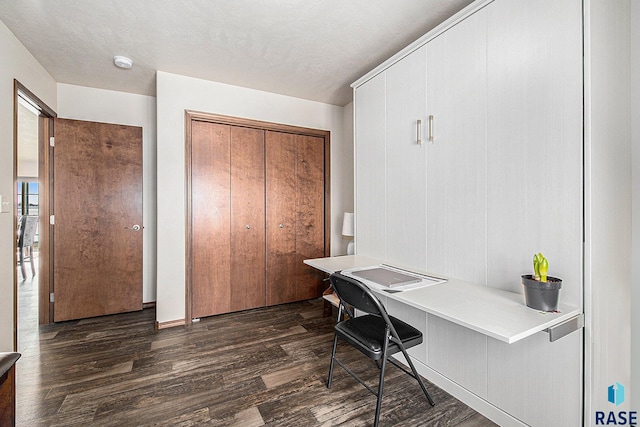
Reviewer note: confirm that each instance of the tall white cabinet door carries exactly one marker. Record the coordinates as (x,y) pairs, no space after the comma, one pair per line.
(369,128)
(456,162)
(535,141)
(534,182)
(406,161)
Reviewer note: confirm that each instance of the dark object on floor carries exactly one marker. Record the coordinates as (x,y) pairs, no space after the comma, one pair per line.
(8,388)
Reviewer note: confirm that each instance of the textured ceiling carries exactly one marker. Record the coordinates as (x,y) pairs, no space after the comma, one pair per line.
(311,49)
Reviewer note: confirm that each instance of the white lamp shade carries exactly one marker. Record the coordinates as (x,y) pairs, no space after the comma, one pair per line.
(347,224)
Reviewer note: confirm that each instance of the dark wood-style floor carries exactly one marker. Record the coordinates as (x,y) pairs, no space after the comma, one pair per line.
(259,367)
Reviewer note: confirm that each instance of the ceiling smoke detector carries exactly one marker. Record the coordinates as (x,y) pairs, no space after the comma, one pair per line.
(123,62)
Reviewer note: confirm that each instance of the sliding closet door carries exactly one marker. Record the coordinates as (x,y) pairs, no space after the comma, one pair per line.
(258,200)
(282,268)
(227,218)
(310,213)
(211,218)
(247,218)
(295,189)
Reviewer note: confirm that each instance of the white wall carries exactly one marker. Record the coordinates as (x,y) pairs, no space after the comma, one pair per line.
(175,94)
(635,174)
(607,203)
(17,63)
(344,177)
(107,106)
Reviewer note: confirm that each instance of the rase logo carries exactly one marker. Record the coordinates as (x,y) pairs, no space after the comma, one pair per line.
(615,396)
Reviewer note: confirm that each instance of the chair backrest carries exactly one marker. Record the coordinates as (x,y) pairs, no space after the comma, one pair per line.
(357,295)
(27,232)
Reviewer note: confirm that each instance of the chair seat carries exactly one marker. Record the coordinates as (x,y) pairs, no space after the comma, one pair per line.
(366,333)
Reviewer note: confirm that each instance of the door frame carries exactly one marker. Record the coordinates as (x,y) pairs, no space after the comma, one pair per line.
(45,180)
(190,116)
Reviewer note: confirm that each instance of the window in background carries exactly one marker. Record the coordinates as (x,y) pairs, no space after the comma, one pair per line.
(28,201)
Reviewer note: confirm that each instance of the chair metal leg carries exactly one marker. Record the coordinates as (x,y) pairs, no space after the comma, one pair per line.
(381,382)
(333,358)
(417,376)
(380,388)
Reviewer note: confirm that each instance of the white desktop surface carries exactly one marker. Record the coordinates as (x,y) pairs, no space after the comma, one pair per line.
(337,263)
(494,312)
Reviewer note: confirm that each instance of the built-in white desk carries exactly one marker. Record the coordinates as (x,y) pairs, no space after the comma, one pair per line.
(496,313)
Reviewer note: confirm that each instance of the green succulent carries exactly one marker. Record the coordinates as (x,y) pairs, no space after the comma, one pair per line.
(540,267)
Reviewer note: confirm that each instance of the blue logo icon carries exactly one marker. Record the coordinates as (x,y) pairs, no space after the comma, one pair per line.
(616,394)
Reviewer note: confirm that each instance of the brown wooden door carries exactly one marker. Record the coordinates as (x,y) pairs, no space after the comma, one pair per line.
(247,218)
(295,190)
(97,202)
(211,218)
(310,221)
(281,217)
(227,197)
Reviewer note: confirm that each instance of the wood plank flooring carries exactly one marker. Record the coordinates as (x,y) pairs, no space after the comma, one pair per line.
(266,366)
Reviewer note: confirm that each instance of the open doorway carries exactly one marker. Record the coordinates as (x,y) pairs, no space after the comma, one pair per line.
(32,128)
(27,214)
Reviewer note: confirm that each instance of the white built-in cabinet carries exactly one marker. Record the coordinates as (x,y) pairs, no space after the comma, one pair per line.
(535,193)
(456,158)
(370,167)
(468,157)
(391,165)
(535,144)
(406,161)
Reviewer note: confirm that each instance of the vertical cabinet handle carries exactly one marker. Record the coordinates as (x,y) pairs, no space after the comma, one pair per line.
(431,128)
(419,132)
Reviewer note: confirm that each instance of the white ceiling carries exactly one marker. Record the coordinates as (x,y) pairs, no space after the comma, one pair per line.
(311,49)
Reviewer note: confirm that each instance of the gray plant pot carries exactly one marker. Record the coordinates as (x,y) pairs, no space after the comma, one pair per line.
(539,295)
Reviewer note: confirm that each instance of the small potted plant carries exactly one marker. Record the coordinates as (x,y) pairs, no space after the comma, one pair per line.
(541,292)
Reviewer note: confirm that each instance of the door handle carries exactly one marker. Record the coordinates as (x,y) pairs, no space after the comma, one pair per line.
(135,227)
(431,138)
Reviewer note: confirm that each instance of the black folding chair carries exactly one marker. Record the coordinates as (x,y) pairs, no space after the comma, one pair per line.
(376,334)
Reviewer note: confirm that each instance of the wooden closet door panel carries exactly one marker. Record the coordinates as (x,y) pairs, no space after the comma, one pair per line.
(247,219)
(211,193)
(310,214)
(280,157)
